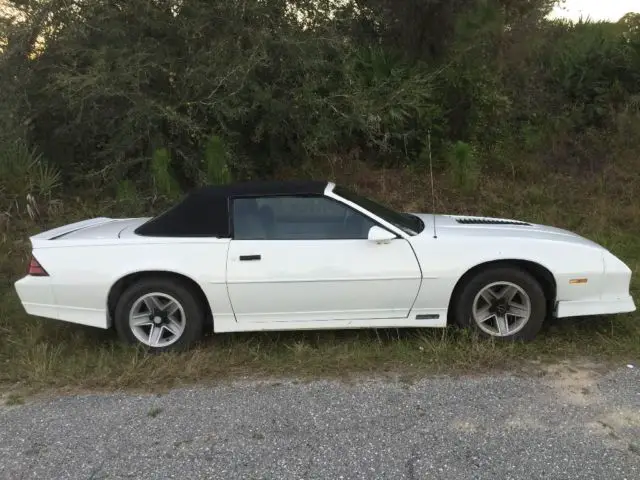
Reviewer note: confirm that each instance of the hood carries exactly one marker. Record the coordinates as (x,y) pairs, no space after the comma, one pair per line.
(472,226)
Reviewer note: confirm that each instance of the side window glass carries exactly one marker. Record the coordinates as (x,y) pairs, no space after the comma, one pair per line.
(247,220)
(297,218)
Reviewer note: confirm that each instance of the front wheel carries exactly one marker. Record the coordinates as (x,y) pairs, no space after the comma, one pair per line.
(505,303)
(160,313)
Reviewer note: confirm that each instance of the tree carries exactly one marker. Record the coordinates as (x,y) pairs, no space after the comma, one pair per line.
(631,23)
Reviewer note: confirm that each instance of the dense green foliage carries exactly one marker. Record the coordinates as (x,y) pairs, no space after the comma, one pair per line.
(113,107)
(165,94)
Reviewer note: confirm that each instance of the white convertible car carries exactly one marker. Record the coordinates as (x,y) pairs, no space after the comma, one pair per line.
(313,255)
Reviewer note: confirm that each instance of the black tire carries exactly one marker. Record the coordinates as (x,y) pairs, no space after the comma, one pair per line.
(463,303)
(194,312)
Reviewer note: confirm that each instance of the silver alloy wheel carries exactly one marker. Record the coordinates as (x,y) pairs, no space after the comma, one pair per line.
(157,319)
(501,309)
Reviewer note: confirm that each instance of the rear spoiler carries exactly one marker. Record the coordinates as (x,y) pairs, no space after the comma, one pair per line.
(65,229)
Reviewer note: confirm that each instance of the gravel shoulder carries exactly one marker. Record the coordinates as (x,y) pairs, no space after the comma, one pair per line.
(565,422)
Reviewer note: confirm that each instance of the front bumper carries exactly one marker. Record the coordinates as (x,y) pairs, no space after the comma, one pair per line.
(599,306)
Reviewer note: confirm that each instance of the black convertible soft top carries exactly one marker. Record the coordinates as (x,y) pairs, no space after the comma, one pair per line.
(204,212)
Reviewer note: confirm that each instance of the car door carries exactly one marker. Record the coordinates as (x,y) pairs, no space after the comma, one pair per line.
(306,258)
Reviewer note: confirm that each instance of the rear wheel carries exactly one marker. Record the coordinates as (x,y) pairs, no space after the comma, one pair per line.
(506,303)
(160,313)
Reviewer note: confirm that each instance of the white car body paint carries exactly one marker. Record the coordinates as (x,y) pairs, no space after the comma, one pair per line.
(316,284)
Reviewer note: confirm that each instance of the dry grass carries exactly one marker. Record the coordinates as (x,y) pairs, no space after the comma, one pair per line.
(37,354)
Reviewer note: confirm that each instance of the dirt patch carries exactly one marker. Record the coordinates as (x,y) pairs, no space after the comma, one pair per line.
(618,428)
(575,382)
(622,418)
(524,422)
(464,426)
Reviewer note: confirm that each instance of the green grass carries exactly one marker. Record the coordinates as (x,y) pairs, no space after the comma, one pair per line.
(154,412)
(43,354)
(37,354)
(14,399)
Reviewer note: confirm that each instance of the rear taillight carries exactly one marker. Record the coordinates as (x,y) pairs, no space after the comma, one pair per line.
(35,269)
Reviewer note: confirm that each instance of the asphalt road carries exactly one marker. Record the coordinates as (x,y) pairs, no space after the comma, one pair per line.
(571,423)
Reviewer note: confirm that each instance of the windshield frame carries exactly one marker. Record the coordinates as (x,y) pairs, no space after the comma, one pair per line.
(408,223)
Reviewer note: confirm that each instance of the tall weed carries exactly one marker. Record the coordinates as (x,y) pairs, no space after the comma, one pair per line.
(27,181)
(463,165)
(216,161)
(163,181)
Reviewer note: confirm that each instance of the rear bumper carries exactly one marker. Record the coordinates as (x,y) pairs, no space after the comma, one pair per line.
(603,306)
(37,298)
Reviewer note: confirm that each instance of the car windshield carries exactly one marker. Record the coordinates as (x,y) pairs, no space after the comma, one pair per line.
(405,221)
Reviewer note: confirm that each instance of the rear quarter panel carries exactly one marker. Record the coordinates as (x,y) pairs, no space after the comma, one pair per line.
(83,272)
